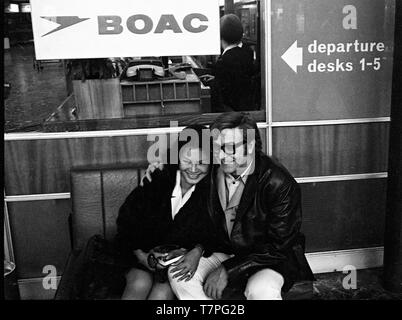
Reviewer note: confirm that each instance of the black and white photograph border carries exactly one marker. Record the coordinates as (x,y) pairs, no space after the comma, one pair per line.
(77,139)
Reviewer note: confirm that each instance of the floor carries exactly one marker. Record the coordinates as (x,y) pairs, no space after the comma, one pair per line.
(329,286)
(34,93)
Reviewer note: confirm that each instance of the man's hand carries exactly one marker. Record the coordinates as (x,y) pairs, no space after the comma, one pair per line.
(151,168)
(206,77)
(216,282)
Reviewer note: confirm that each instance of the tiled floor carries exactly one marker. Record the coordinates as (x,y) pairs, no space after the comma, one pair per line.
(34,94)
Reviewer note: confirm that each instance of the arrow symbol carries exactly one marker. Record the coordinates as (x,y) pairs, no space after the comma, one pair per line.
(293,56)
(64,22)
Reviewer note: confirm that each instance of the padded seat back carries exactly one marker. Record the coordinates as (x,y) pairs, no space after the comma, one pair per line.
(97,194)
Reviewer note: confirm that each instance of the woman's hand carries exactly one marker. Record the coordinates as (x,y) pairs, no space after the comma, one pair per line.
(176,253)
(151,168)
(187,265)
(143,258)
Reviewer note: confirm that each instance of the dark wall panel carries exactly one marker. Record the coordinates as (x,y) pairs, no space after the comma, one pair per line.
(332,149)
(40,234)
(43,166)
(343,214)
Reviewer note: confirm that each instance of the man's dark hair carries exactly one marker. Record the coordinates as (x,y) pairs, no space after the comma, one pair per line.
(241,120)
(231,29)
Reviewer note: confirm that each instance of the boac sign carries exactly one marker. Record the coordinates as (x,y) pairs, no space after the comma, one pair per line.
(69,29)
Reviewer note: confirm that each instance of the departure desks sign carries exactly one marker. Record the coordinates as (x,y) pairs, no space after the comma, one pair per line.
(332,59)
(72,29)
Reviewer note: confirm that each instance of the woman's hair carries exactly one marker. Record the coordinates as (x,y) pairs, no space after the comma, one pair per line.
(192,136)
(241,120)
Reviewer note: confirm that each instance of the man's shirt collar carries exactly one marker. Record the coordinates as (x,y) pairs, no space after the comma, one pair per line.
(243,177)
(240,44)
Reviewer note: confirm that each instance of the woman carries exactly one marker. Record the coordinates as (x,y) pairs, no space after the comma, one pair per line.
(169,210)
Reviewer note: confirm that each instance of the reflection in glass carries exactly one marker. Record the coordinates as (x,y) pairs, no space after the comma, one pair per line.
(125,92)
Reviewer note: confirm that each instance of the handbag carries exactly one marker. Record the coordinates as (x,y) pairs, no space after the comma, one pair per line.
(101,274)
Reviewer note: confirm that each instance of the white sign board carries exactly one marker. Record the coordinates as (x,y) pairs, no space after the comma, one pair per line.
(74,29)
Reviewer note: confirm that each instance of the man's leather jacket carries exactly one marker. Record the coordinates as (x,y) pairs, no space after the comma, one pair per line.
(266,232)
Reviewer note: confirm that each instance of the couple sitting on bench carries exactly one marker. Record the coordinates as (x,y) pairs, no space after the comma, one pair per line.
(214,225)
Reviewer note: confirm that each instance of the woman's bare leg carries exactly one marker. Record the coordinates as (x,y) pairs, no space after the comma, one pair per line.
(161,291)
(138,285)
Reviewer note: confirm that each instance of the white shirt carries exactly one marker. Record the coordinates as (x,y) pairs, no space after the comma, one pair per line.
(178,200)
(240,44)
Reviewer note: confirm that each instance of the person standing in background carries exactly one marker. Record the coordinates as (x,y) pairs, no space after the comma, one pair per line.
(232,80)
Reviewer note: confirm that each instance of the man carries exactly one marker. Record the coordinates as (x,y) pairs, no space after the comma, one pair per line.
(254,203)
(232,80)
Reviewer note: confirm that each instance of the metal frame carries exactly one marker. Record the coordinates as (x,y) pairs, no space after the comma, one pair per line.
(38,197)
(344,177)
(8,242)
(268,74)
(138,132)
(328,122)
(98,134)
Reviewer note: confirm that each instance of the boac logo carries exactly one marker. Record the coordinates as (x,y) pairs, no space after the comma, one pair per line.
(110,25)
(64,22)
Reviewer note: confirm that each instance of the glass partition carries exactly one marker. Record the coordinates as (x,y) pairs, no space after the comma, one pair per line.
(136,92)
